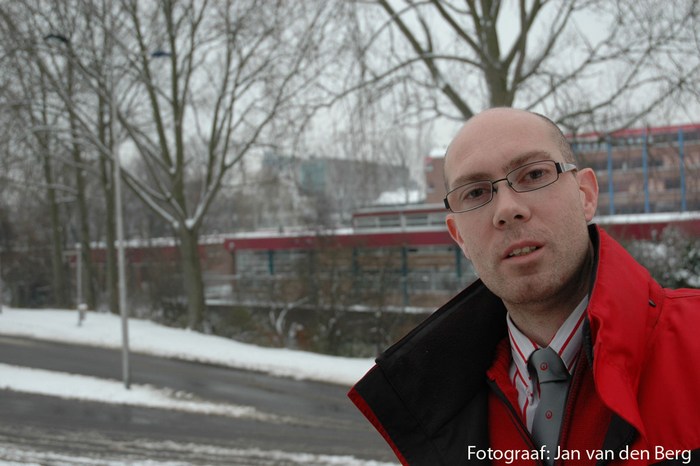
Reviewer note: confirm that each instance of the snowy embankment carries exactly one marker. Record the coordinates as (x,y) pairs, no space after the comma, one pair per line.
(146,337)
(104,330)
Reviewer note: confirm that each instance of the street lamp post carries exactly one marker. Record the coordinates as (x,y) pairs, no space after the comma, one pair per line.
(81,306)
(2,284)
(121,277)
(121,267)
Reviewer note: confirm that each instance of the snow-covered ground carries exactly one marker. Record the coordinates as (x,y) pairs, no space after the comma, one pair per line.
(104,330)
(146,337)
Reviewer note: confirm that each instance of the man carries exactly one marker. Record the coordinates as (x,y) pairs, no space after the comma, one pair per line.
(469,385)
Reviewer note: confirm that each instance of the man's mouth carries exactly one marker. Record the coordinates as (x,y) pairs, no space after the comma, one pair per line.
(523,251)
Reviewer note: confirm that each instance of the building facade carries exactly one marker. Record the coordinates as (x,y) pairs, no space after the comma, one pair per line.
(331,189)
(643,170)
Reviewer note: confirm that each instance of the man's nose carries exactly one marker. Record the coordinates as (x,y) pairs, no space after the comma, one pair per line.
(509,206)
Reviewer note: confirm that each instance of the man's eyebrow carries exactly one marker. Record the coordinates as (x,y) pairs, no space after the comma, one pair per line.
(526,157)
(469,178)
(518,161)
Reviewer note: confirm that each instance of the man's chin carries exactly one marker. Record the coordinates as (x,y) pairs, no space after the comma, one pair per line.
(522,291)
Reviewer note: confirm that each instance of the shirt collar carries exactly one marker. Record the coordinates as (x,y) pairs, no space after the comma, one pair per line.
(566,342)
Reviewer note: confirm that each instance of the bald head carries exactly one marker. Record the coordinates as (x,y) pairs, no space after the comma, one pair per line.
(504,122)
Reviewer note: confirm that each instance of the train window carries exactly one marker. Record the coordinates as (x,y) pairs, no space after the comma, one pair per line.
(436,219)
(365,222)
(416,220)
(389,221)
(252,262)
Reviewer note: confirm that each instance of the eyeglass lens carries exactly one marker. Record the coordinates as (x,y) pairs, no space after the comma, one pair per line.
(529,177)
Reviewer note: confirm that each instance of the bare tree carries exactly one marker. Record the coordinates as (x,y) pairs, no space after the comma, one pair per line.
(38,144)
(214,76)
(56,42)
(580,60)
(196,87)
(29,103)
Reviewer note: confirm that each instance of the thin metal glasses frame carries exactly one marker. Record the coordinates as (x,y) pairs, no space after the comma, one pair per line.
(561,167)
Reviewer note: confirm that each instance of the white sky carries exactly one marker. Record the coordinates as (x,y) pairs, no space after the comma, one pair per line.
(104,330)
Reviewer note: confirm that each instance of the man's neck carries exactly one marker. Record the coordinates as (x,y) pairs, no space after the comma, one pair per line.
(540,320)
(540,325)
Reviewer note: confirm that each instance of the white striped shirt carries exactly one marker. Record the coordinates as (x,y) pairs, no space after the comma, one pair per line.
(566,342)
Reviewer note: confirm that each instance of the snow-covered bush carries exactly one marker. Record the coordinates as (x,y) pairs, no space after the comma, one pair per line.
(673,260)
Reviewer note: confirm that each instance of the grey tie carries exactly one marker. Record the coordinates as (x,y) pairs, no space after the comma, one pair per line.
(554,383)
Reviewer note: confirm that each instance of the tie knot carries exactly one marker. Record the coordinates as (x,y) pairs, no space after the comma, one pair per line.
(548,366)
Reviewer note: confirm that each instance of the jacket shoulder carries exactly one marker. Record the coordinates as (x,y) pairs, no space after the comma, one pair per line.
(670,380)
(422,389)
(648,353)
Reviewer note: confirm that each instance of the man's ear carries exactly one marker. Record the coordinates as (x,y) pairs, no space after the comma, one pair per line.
(588,187)
(454,233)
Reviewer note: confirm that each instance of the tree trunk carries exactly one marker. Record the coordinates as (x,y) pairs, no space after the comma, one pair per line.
(88,275)
(192,278)
(497,83)
(86,251)
(106,173)
(58,281)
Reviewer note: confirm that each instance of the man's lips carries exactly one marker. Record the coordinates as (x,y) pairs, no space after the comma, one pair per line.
(521,249)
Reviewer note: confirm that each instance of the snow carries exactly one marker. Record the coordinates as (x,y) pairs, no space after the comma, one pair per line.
(247,456)
(104,330)
(659,217)
(438,153)
(43,382)
(400,196)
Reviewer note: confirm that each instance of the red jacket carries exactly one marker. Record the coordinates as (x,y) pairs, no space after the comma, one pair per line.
(428,394)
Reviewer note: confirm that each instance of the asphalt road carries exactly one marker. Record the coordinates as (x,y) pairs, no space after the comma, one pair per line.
(318,418)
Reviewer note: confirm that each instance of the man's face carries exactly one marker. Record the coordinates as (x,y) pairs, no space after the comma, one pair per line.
(526,247)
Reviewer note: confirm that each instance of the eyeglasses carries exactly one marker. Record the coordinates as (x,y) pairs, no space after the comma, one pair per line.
(529,177)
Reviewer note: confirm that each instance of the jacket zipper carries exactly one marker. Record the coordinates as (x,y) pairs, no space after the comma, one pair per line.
(515,416)
(563,429)
(574,387)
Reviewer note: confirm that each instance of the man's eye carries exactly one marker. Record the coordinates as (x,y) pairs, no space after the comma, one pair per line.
(474,193)
(534,174)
